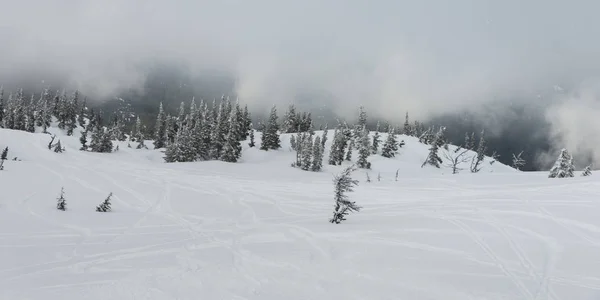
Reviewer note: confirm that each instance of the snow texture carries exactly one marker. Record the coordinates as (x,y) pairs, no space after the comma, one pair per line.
(258,229)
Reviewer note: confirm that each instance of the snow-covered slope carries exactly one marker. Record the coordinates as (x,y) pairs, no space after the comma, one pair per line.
(258,229)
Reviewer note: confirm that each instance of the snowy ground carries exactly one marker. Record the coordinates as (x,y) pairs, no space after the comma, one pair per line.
(259,229)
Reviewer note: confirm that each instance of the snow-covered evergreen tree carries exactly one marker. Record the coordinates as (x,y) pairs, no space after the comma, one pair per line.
(251,144)
(478,159)
(563,167)
(408,130)
(343,183)
(81,114)
(518,161)
(232,150)
(2,106)
(307,153)
(105,205)
(433,157)
(364,149)
(290,120)
(376,140)
(204,145)
(161,129)
(587,171)
(317,154)
(58,147)
(247,123)
(4,155)
(20,118)
(30,115)
(182,148)
(83,140)
(61,202)
(219,132)
(350,149)
(390,146)
(324,136)
(270,138)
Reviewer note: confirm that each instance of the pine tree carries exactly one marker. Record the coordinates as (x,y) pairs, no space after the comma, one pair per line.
(270,138)
(71,113)
(376,140)
(324,136)
(61,202)
(343,183)
(478,159)
(307,153)
(105,206)
(407,128)
(317,154)
(364,149)
(251,144)
(390,146)
(587,171)
(247,122)
(290,120)
(58,147)
(30,116)
(81,115)
(19,112)
(518,161)
(563,167)
(350,149)
(161,129)
(182,148)
(9,117)
(241,132)
(433,157)
(204,145)
(232,150)
(219,133)
(2,106)
(83,140)
(4,155)
(106,145)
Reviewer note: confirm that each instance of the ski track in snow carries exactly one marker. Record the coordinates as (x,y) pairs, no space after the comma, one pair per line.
(211,230)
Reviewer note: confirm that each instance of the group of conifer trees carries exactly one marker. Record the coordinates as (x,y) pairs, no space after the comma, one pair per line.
(203,133)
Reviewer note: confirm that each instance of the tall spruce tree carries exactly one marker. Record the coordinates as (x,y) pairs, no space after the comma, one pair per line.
(232,150)
(324,136)
(477,160)
(376,140)
(2,106)
(390,146)
(307,152)
(290,120)
(364,149)
(20,119)
(408,130)
(317,154)
(563,167)
(160,129)
(270,137)
(343,183)
(433,157)
(31,111)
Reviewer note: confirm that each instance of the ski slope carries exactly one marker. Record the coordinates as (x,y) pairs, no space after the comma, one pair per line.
(259,229)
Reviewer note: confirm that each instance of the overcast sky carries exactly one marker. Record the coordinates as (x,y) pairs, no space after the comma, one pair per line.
(426,56)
